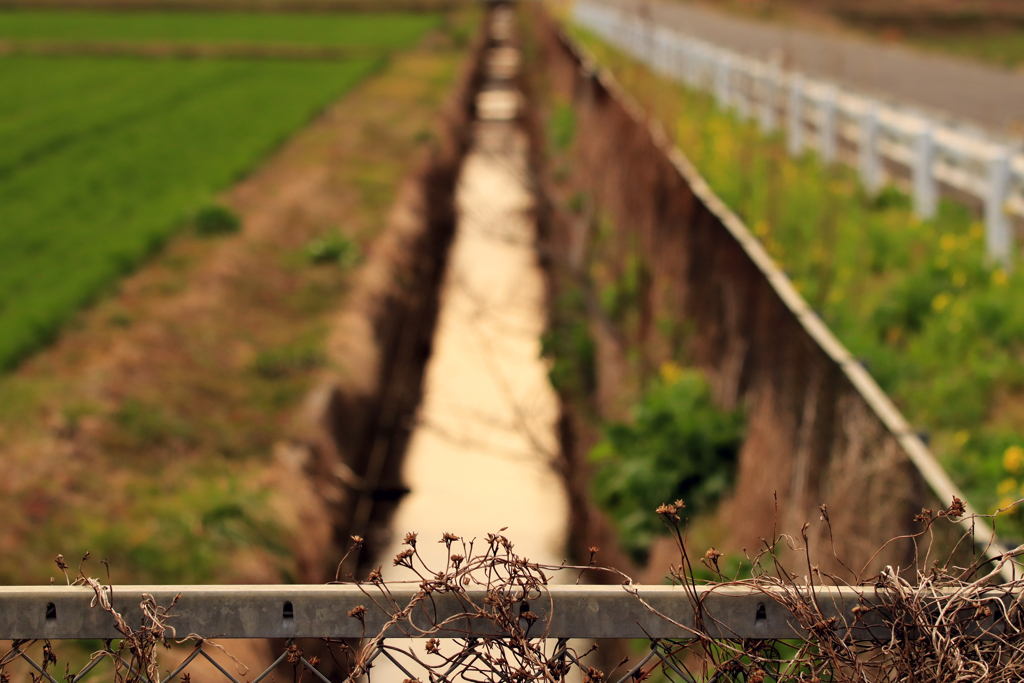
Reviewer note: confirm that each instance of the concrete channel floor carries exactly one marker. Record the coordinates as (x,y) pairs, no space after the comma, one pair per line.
(480,458)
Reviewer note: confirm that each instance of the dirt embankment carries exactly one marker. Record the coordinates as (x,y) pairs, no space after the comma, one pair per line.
(359,419)
(819,430)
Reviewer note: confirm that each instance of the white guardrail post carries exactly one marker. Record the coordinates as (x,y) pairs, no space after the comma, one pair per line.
(769,95)
(739,82)
(722,79)
(828,125)
(795,113)
(741,90)
(998,237)
(926,200)
(869,162)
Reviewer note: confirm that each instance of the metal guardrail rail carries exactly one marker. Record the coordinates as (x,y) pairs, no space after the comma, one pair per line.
(821,115)
(385,615)
(307,611)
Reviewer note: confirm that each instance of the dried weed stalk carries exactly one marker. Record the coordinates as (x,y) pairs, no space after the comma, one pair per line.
(931,621)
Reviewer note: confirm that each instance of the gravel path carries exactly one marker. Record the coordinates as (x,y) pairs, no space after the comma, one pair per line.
(971,92)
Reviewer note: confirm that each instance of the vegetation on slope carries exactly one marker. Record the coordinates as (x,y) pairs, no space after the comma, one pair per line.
(678,446)
(939,327)
(664,439)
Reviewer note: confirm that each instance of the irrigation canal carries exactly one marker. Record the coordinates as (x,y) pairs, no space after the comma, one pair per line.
(480,456)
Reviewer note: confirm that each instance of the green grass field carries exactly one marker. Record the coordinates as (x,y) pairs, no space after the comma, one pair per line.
(382,31)
(1005,48)
(102,159)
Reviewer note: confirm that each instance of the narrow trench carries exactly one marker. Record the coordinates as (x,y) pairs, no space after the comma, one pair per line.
(480,457)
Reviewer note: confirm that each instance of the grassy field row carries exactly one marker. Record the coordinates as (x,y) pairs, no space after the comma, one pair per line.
(102,159)
(119,155)
(940,329)
(381,30)
(1003,47)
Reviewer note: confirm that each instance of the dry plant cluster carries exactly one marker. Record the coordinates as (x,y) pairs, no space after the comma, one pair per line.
(932,621)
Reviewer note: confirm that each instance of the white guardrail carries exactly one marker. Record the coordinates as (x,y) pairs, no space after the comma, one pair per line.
(823,116)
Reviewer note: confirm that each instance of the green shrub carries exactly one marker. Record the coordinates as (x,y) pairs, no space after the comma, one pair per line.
(679,445)
(570,348)
(215,219)
(288,360)
(144,426)
(181,531)
(562,127)
(334,248)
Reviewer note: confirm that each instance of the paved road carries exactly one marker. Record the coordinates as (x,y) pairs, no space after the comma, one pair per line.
(989,96)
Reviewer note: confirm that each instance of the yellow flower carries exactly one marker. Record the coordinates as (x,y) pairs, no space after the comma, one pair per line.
(999,277)
(959,278)
(947,242)
(1006,487)
(1013,459)
(670,372)
(961,438)
(977,230)
(836,295)
(799,286)
(940,302)
(761,228)
(1005,503)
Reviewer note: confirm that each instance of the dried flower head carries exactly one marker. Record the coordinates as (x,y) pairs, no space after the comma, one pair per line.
(925,516)
(402,558)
